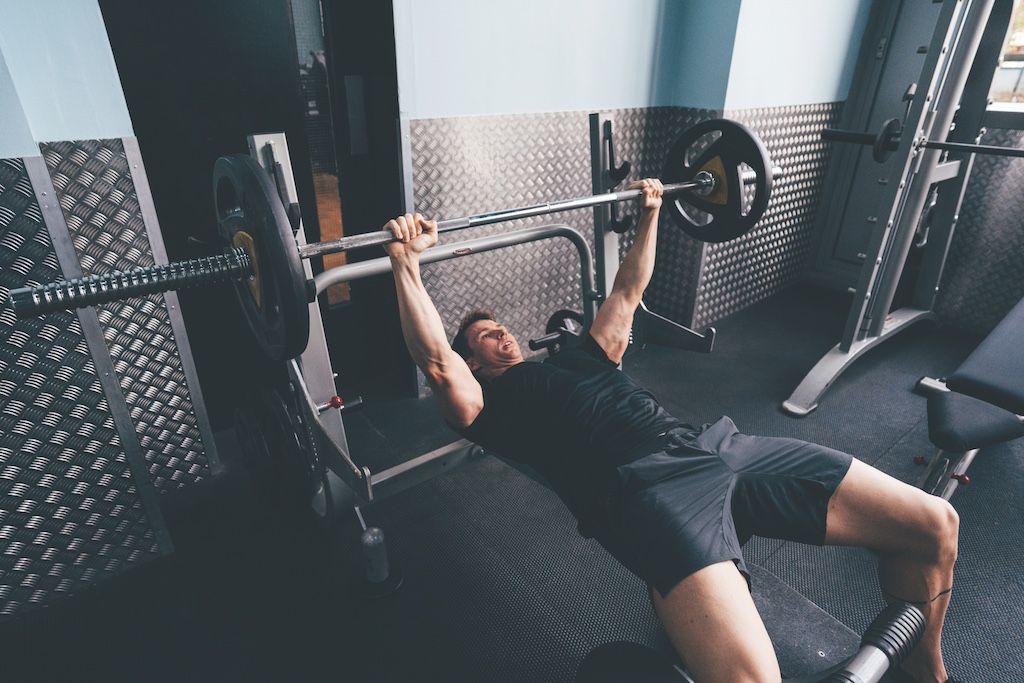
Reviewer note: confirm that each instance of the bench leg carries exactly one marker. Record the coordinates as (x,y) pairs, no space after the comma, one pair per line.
(945,472)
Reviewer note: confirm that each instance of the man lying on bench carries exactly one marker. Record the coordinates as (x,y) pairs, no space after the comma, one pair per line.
(671,502)
(981,404)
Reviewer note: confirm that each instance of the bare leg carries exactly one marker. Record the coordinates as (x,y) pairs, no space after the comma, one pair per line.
(916,534)
(715,627)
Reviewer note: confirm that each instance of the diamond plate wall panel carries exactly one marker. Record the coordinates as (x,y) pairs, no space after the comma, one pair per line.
(475,165)
(69,511)
(774,254)
(101,208)
(643,137)
(984,273)
(469,166)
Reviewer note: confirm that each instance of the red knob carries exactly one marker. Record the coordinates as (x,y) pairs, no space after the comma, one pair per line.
(962,478)
(335,402)
(919,460)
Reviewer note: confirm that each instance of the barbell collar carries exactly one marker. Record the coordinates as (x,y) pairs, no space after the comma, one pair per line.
(702,181)
(29,302)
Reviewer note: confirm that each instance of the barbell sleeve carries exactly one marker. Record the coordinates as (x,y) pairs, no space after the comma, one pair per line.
(97,289)
(380,237)
(888,138)
(974,149)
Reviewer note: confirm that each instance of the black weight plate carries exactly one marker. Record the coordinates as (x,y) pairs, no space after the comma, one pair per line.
(725,149)
(569,321)
(274,300)
(275,452)
(887,140)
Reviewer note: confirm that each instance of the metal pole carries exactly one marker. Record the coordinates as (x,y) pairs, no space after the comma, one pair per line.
(974,149)
(701,180)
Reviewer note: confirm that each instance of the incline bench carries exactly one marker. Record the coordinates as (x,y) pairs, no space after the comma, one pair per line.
(981,404)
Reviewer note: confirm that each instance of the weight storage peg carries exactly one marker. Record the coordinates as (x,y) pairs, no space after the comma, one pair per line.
(887,140)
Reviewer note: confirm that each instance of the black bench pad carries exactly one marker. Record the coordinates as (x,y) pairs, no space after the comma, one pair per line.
(959,423)
(994,372)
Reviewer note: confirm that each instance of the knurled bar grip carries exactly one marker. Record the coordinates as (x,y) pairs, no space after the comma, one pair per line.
(98,289)
(369,239)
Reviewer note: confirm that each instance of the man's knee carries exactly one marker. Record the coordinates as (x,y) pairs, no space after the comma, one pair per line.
(942,527)
(949,528)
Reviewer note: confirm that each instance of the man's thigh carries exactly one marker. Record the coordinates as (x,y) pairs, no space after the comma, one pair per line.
(713,624)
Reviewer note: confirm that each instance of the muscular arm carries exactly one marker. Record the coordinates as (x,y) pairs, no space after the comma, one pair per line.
(458,393)
(615,318)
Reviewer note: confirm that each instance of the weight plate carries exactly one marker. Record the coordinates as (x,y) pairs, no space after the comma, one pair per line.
(275,451)
(250,215)
(887,140)
(567,321)
(742,170)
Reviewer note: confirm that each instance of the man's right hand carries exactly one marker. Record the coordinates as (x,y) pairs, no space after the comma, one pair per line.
(413,233)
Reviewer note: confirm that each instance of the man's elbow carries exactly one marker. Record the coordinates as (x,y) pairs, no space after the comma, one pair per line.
(459,408)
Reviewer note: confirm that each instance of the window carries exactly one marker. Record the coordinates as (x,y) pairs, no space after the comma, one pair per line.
(1007,90)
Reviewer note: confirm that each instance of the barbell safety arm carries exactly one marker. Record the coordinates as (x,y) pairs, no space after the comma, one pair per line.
(380,237)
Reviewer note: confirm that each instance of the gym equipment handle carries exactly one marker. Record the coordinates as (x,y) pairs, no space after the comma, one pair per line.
(98,289)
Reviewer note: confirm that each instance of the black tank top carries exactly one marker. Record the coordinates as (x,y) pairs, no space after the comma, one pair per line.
(574,418)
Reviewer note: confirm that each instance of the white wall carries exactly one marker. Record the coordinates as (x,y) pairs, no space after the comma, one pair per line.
(467,57)
(60,74)
(15,135)
(795,52)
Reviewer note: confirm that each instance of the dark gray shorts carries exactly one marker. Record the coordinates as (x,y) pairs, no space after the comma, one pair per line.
(701,497)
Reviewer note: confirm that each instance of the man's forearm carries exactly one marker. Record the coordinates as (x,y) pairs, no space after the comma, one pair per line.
(637,266)
(422,327)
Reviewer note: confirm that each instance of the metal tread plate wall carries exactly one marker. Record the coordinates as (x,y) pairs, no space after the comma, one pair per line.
(471,165)
(102,209)
(984,272)
(775,253)
(72,509)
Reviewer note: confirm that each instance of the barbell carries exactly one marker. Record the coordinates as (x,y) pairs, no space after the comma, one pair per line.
(717,178)
(887,140)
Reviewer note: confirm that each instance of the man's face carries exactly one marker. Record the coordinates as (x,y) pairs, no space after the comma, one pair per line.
(492,345)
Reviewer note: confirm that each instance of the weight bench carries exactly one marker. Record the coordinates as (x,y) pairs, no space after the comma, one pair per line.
(981,404)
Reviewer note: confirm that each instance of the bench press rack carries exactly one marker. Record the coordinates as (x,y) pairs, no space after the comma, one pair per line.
(339,484)
(338,481)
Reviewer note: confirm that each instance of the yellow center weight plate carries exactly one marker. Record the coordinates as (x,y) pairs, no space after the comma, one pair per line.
(742,170)
(245,241)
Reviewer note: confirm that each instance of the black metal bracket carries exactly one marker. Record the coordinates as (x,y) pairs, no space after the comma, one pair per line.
(615,174)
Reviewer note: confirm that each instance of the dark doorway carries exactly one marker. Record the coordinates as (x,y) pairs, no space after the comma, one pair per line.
(199,76)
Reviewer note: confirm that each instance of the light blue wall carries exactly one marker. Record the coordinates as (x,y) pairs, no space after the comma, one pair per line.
(795,52)
(62,72)
(468,58)
(15,135)
(693,53)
